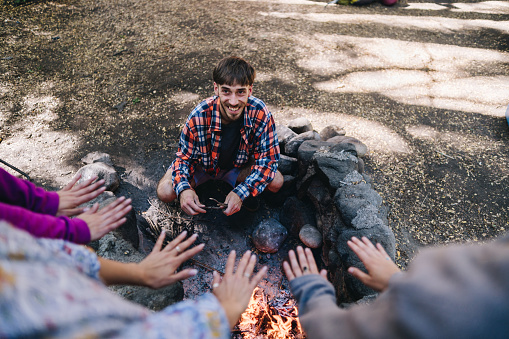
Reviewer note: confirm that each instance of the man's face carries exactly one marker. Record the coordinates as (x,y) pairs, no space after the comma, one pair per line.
(233,100)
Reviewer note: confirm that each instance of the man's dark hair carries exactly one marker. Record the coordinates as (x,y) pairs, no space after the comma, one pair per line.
(234,70)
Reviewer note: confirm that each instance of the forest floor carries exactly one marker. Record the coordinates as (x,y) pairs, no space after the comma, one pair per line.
(424,85)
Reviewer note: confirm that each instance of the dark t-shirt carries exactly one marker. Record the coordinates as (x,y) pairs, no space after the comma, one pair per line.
(230,141)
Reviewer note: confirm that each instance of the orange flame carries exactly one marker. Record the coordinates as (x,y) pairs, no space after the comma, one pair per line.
(260,313)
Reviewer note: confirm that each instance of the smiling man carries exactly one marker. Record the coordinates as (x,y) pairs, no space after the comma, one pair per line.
(230,137)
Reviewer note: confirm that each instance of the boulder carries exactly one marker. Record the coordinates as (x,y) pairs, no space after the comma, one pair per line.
(287,165)
(335,166)
(269,235)
(331,131)
(300,125)
(284,134)
(292,146)
(102,171)
(90,158)
(360,147)
(310,236)
(295,214)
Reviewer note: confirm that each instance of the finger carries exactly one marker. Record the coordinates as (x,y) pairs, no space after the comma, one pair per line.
(250,266)
(258,277)
(368,243)
(159,242)
(216,279)
(382,251)
(184,245)
(93,209)
(294,264)
(72,182)
(112,205)
(230,263)
(185,256)
(185,274)
(303,260)
(175,242)
(323,273)
(73,211)
(356,248)
(241,269)
(288,271)
(311,261)
(357,273)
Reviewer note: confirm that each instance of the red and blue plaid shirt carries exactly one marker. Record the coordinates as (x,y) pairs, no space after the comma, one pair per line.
(200,142)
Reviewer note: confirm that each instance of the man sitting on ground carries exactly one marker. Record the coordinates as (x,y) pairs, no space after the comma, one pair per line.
(230,137)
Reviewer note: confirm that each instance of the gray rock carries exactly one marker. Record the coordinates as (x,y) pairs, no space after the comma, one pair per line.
(331,131)
(287,165)
(295,214)
(114,248)
(352,201)
(90,158)
(319,194)
(284,134)
(128,230)
(334,167)
(300,125)
(310,236)
(103,171)
(352,178)
(269,235)
(292,146)
(308,149)
(361,148)
(382,235)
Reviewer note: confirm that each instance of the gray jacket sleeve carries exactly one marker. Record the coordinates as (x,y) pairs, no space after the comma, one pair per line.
(453,292)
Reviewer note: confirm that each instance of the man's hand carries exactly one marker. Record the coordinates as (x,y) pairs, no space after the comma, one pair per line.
(159,267)
(190,203)
(378,263)
(306,264)
(106,219)
(234,289)
(72,195)
(234,203)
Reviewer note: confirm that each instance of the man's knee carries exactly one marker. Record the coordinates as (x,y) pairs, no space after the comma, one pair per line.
(165,191)
(276,184)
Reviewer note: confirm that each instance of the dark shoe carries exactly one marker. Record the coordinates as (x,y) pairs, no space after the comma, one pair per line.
(252,204)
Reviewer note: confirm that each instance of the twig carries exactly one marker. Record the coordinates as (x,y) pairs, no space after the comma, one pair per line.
(445,155)
(199,263)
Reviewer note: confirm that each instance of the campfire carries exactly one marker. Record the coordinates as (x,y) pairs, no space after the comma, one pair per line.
(276,318)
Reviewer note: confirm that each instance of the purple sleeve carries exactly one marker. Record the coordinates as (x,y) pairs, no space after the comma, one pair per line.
(23,193)
(46,226)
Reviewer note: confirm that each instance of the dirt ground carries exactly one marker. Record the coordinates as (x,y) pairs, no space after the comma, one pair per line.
(424,85)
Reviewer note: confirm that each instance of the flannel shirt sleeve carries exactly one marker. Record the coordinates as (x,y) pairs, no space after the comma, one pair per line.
(266,154)
(184,164)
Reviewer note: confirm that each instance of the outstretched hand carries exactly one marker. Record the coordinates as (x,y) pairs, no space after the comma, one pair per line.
(106,219)
(158,268)
(377,262)
(306,264)
(72,195)
(234,289)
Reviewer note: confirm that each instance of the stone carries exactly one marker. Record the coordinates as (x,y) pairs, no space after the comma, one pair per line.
(295,214)
(319,194)
(114,248)
(331,131)
(90,158)
(300,125)
(269,235)
(379,234)
(354,200)
(310,236)
(292,146)
(287,165)
(308,149)
(279,198)
(128,230)
(352,178)
(284,134)
(360,147)
(334,167)
(102,171)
